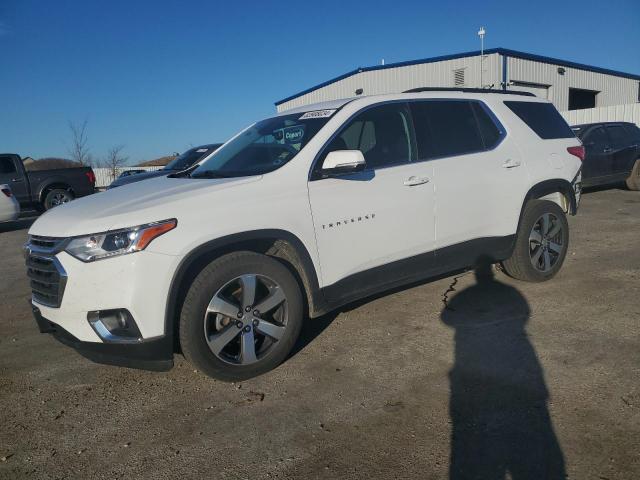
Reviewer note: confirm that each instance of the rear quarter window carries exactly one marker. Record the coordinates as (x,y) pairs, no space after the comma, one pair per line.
(542,118)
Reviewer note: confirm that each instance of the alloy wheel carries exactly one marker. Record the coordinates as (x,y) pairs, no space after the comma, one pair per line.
(59,199)
(245,319)
(546,242)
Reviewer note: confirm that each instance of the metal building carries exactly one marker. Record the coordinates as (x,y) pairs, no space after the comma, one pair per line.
(569,85)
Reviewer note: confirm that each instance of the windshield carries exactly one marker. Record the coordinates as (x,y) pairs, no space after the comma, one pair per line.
(190,157)
(264,146)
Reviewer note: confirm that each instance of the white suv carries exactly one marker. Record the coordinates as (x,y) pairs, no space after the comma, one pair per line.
(300,214)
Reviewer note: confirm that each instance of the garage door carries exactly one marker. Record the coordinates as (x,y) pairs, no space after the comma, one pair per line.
(539,90)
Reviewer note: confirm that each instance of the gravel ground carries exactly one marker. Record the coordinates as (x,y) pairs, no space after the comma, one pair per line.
(467,377)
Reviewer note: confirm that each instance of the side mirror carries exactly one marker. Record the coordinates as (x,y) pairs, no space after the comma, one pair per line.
(343,161)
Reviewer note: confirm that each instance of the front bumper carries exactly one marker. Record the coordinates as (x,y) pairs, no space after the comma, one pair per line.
(153,354)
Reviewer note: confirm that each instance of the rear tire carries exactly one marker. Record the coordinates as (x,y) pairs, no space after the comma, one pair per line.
(222,330)
(55,197)
(541,243)
(633,182)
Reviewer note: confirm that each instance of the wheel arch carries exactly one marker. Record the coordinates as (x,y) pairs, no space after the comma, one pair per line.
(279,244)
(557,190)
(47,187)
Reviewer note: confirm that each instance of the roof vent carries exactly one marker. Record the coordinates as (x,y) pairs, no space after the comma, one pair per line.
(458,77)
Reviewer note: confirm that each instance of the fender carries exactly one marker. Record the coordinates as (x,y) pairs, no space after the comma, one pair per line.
(238,241)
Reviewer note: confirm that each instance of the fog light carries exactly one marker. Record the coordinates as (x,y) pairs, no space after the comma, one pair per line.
(115,326)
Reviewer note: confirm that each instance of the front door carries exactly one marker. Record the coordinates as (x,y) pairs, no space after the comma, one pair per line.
(368,222)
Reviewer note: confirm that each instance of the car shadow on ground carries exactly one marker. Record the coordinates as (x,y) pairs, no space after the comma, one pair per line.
(498,401)
(313,327)
(20,224)
(601,188)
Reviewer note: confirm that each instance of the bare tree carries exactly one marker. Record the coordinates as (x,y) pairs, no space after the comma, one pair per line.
(115,160)
(79,150)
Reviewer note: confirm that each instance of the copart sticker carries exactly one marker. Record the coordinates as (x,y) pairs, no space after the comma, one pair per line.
(317,114)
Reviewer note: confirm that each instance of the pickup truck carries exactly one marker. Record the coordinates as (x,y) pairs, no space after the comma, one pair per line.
(45,189)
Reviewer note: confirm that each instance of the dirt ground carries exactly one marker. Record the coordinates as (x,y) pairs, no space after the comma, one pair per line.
(463,377)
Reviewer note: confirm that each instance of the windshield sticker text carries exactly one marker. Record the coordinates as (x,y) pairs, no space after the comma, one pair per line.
(317,114)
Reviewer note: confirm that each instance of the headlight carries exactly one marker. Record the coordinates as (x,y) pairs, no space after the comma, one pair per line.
(117,242)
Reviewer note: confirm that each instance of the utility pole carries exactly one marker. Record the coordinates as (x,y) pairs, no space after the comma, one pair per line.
(481,33)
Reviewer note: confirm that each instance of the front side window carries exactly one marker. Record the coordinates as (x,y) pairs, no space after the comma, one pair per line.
(596,139)
(263,147)
(382,134)
(448,127)
(6,165)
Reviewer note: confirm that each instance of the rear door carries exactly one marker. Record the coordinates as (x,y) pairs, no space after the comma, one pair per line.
(12,175)
(479,175)
(598,160)
(623,149)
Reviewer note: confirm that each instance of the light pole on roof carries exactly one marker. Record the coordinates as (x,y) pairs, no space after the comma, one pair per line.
(481,33)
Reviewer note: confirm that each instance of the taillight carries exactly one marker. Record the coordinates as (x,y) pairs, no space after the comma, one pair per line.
(577,151)
(91,176)
(7,192)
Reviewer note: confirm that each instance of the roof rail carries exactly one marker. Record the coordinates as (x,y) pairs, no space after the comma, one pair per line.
(467,90)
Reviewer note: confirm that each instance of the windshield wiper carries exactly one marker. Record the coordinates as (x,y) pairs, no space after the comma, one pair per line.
(209,174)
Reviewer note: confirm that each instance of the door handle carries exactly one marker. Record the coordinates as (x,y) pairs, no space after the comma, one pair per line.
(607,150)
(16,180)
(412,181)
(511,163)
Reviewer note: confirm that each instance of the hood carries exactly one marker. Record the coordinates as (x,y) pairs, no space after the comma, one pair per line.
(136,204)
(118,182)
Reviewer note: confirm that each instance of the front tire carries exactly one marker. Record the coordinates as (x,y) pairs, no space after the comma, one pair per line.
(241,317)
(541,243)
(633,182)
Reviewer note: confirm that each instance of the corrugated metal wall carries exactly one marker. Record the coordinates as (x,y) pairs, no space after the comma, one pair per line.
(399,79)
(613,90)
(614,113)
(540,78)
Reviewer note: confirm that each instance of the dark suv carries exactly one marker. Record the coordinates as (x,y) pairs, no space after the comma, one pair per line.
(612,153)
(178,164)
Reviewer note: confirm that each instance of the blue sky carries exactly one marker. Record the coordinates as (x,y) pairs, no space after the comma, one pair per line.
(159,76)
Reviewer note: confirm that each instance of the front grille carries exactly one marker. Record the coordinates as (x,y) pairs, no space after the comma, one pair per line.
(48,279)
(45,243)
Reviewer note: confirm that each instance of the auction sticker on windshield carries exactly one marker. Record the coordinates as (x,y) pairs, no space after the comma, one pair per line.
(317,114)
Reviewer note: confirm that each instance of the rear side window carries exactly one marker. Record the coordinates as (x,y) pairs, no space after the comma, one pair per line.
(7,165)
(618,136)
(542,118)
(445,128)
(634,132)
(488,129)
